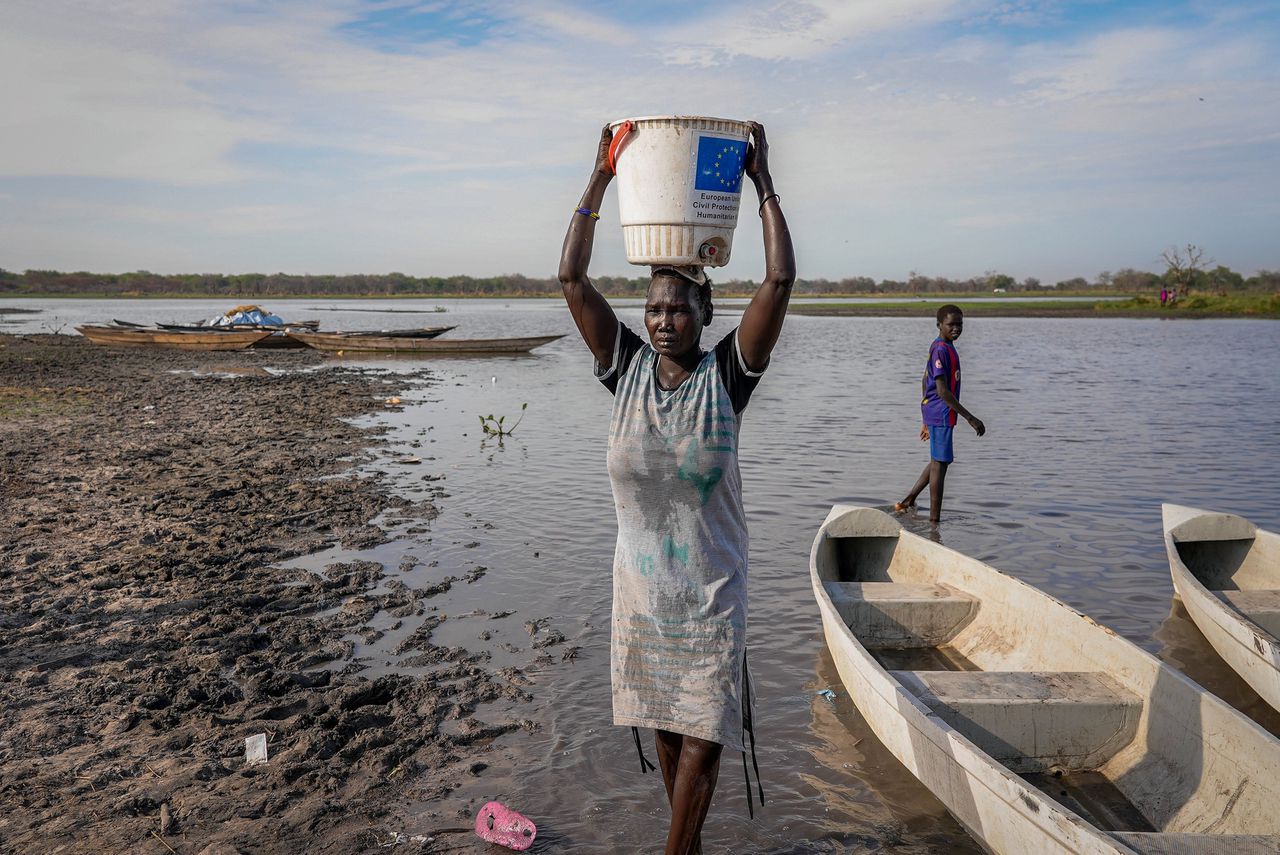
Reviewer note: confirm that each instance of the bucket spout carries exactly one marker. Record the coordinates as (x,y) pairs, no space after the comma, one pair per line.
(713,249)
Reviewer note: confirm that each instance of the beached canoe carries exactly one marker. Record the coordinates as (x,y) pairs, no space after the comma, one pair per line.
(390,344)
(418,332)
(277,340)
(1227,572)
(203,327)
(132,337)
(1040,730)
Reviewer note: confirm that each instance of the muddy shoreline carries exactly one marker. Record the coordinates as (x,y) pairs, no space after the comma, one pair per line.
(148,631)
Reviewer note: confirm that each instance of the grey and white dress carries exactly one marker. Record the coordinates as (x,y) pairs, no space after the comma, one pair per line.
(680,567)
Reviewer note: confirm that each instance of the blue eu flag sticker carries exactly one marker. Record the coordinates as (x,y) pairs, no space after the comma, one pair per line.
(720,164)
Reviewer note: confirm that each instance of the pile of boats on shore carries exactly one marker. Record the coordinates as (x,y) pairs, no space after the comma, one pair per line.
(247,327)
(1040,730)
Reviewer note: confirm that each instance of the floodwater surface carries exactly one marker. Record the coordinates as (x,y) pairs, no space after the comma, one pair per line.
(1091,424)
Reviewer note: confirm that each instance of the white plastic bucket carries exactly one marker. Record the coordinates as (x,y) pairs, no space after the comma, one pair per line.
(679,184)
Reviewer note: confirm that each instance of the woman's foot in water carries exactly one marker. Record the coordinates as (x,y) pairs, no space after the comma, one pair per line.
(903,506)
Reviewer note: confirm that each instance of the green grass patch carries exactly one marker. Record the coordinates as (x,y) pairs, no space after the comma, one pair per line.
(1195,305)
(929,306)
(21,402)
(1200,304)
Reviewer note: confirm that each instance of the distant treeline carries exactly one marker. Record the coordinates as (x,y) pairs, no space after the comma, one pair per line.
(143,283)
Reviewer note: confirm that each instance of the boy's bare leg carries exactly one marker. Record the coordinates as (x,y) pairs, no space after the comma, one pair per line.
(910,500)
(937,475)
(696,774)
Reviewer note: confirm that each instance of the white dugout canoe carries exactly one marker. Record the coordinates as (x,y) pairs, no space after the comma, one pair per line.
(1227,572)
(1040,730)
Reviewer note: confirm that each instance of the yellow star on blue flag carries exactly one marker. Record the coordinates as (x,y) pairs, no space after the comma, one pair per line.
(720,164)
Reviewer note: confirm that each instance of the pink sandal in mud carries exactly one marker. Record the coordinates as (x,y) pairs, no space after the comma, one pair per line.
(497,823)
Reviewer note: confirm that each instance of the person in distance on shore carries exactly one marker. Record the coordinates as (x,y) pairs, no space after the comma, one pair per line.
(938,409)
(678,647)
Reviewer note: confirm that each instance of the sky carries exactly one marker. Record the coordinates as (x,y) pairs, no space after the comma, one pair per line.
(942,137)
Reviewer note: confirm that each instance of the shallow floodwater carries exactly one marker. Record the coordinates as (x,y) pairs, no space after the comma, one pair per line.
(1090,426)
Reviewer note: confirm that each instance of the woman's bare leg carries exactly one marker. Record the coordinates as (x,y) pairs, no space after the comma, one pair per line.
(668,759)
(696,774)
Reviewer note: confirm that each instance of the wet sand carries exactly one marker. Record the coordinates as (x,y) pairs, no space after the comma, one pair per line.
(147,630)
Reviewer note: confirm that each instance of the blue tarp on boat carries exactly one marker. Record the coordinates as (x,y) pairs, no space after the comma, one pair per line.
(247,315)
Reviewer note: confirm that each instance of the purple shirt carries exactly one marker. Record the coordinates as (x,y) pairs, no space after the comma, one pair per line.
(944,362)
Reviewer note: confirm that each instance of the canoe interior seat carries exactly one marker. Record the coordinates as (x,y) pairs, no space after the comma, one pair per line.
(1199,844)
(1032,720)
(1214,562)
(1262,607)
(894,614)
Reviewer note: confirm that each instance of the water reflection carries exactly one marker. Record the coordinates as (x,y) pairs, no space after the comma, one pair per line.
(870,799)
(1066,502)
(1186,648)
(1091,425)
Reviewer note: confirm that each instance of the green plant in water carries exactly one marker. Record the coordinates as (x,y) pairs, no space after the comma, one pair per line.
(496,427)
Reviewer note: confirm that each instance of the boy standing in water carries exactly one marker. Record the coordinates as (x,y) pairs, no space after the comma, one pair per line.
(939,408)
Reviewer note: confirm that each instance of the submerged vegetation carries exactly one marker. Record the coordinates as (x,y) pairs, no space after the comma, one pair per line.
(496,427)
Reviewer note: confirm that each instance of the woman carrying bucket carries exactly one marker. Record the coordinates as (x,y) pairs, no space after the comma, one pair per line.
(678,653)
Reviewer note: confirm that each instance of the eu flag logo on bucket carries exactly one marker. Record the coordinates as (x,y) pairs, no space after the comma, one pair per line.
(720,164)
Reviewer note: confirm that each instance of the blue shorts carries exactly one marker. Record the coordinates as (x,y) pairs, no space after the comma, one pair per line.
(940,443)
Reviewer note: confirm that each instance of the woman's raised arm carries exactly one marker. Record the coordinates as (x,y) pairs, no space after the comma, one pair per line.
(762,320)
(591,311)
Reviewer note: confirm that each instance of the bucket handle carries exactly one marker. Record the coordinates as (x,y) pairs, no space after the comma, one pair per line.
(615,146)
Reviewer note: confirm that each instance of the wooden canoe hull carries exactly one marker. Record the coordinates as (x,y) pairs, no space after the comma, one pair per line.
(379,344)
(130,337)
(1250,563)
(415,332)
(1191,765)
(303,325)
(278,340)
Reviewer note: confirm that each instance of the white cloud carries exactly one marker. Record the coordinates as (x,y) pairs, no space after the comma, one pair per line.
(576,24)
(1113,61)
(897,143)
(993,219)
(794,29)
(83,106)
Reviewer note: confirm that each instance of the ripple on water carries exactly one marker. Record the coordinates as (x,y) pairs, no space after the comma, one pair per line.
(1070,505)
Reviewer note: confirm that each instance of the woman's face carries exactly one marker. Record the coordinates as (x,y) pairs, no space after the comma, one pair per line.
(673,316)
